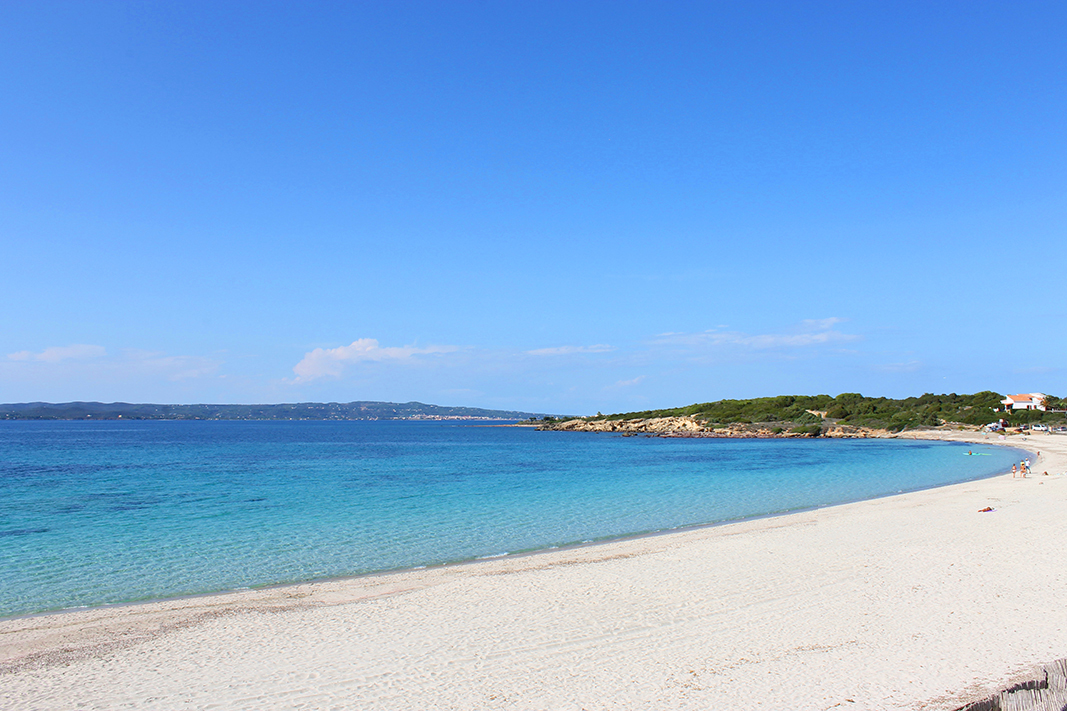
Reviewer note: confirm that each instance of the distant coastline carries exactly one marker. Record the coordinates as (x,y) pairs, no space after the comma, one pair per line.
(360,410)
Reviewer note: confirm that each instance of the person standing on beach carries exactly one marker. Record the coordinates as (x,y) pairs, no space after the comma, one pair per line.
(1012,471)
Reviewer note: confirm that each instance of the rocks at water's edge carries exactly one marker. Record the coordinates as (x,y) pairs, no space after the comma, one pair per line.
(689,426)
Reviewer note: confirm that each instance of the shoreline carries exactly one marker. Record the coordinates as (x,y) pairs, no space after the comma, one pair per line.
(533,552)
(538,603)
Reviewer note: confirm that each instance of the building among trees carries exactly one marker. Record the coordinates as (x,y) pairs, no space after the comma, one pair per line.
(1027,401)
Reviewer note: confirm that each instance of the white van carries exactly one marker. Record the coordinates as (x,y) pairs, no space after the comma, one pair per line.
(1039,428)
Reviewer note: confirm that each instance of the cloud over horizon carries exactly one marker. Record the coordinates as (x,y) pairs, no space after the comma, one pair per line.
(90,372)
(570,350)
(626,383)
(809,332)
(331,362)
(55,354)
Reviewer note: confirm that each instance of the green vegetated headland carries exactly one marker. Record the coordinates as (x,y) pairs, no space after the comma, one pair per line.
(794,412)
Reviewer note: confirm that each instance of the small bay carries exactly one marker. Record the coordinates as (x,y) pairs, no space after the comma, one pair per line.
(95,513)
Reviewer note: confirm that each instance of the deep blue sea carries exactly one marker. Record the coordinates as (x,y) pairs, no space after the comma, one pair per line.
(104,512)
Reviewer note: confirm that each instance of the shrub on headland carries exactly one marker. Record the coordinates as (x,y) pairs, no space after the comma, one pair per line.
(810,430)
(807,418)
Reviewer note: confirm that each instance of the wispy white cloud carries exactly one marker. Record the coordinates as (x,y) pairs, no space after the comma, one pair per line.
(821,324)
(1038,369)
(86,372)
(570,350)
(173,368)
(55,354)
(810,332)
(331,362)
(626,383)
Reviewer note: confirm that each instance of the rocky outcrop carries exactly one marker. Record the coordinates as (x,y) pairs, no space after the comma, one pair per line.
(691,427)
(655,425)
(850,432)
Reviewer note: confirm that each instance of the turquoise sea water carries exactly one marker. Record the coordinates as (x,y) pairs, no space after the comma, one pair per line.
(104,512)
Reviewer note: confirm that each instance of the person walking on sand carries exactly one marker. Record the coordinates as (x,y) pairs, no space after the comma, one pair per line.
(1012,471)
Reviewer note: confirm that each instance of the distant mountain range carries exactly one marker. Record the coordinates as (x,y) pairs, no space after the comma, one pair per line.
(289,411)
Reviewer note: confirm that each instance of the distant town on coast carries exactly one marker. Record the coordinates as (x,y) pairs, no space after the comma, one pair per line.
(365,410)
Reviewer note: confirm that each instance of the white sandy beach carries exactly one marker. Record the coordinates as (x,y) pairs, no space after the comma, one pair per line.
(918,601)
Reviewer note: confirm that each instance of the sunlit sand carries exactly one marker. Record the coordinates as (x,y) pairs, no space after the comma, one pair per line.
(917,601)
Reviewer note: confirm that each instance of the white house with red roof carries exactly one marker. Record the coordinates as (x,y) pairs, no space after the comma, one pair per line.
(1027,401)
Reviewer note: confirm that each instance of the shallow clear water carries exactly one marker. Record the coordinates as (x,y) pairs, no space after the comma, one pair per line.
(104,512)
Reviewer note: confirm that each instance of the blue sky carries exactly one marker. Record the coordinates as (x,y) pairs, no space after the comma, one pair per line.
(558,207)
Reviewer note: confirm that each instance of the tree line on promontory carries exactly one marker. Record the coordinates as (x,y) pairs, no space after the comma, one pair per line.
(854,409)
